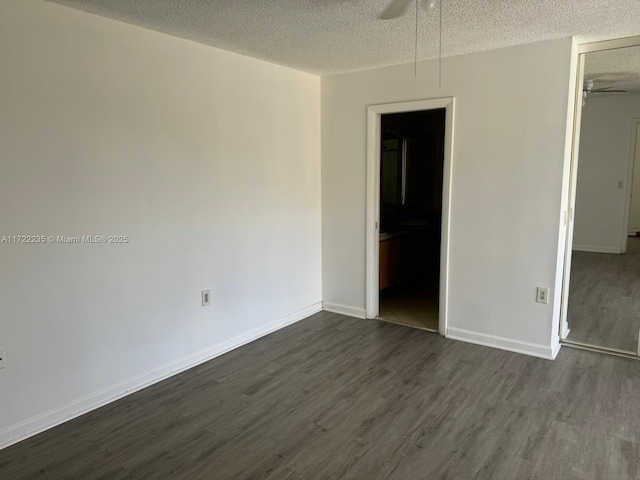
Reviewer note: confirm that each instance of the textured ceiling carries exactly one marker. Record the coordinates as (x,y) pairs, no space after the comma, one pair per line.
(331,36)
(619,69)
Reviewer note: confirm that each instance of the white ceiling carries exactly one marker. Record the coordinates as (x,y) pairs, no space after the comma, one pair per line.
(331,36)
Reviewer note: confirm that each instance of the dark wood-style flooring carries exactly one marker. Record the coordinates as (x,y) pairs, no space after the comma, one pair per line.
(334,397)
(604,299)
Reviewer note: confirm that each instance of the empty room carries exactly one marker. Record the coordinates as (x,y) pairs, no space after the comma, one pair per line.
(226,252)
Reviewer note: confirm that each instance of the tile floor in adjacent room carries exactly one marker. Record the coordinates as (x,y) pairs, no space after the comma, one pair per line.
(414,306)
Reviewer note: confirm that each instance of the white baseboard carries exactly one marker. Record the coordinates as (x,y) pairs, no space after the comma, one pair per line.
(52,418)
(345,310)
(541,351)
(595,249)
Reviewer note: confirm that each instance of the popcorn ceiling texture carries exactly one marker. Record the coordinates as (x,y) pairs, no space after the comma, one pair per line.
(333,36)
(619,69)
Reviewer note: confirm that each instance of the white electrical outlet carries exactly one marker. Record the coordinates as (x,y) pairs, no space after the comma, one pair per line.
(2,358)
(542,295)
(206,298)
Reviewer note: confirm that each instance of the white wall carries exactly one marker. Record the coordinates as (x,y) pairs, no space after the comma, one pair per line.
(605,139)
(209,161)
(634,213)
(508,177)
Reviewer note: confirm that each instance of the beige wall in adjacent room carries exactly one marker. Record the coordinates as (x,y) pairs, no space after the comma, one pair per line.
(605,140)
(634,217)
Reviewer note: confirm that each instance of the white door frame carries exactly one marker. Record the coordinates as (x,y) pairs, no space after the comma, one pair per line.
(374,117)
(569,212)
(582,49)
(627,202)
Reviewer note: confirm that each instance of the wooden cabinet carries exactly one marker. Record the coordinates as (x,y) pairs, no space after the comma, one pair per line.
(411,256)
(390,262)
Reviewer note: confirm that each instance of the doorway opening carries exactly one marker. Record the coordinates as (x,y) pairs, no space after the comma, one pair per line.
(409,152)
(411,169)
(601,287)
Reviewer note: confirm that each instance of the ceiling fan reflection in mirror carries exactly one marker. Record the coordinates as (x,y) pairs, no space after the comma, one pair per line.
(589,89)
(399,8)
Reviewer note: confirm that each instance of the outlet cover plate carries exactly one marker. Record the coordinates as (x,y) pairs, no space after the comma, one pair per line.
(542,295)
(206,298)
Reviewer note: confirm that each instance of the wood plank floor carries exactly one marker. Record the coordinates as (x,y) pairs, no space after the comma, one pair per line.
(334,397)
(604,298)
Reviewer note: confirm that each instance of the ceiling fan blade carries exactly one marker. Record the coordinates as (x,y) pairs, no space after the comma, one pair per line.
(602,90)
(396,9)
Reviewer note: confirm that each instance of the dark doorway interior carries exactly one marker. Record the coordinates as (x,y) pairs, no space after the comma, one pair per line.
(411,177)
